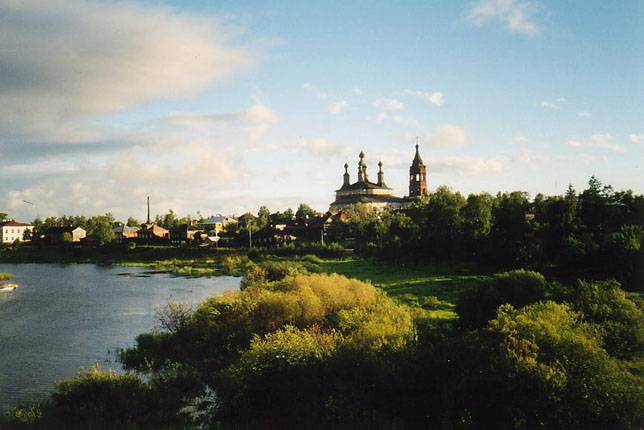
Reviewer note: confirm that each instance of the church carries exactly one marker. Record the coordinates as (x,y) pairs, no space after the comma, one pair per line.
(378,194)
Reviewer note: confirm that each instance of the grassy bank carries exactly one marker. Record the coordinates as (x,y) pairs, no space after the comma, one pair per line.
(434,287)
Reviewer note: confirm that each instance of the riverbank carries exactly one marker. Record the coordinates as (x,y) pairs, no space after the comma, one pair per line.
(434,286)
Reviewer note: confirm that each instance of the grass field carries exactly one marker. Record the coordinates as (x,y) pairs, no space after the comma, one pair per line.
(435,288)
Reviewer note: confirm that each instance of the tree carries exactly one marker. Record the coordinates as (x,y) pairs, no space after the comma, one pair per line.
(360,220)
(440,222)
(133,222)
(476,216)
(518,288)
(101,228)
(304,212)
(168,221)
(509,228)
(283,217)
(263,217)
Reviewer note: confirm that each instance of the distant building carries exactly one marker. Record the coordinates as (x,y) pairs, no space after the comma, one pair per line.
(378,194)
(152,233)
(12,230)
(184,233)
(65,234)
(218,222)
(124,232)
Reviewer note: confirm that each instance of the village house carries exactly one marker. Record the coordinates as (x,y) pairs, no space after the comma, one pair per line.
(12,231)
(123,233)
(152,233)
(185,233)
(64,234)
(217,223)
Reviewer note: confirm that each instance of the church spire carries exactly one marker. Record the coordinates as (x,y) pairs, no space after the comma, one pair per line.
(346,174)
(381,175)
(362,169)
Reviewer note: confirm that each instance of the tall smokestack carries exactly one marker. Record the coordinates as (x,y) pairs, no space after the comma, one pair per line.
(148,209)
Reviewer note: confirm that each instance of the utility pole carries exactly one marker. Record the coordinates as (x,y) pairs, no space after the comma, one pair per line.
(250,233)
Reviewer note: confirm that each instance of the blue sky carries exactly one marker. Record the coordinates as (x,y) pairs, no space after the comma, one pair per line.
(224,106)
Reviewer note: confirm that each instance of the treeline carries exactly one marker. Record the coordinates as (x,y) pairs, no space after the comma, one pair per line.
(597,233)
(295,350)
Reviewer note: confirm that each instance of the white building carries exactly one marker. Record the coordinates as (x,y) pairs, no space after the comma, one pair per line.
(12,230)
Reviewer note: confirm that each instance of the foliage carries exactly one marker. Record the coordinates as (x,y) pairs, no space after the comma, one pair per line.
(103,399)
(174,316)
(518,288)
(620,321)
(304,212)
(567,380)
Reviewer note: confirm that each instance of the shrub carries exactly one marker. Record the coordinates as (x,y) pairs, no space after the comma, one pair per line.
(566,379)
(620,320)
(174,316)
(101,399)
(517,287)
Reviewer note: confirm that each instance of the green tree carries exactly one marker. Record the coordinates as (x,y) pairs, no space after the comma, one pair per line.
(304,212)
(517,287)
(100,228)
(361,220)
(263,217)
(133,222)
(509,228)
(440,222)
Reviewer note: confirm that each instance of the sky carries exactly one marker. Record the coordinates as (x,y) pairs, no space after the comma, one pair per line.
(221,107)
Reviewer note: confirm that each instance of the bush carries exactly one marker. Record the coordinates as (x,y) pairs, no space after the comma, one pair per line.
(566,379)
(619,319)
(173,317)
(101,399)
(517,287)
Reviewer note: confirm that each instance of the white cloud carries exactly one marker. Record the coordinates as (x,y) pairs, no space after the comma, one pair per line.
(338,107)
(636,138)
(169,170)
(555,104)
(398,119)
(323,147)
(70,60)
(517,16)
(469,166)
(256,120)
(435,98)
(598,141)
(319,94)
(584,114)
(520,140)
(389,104)
(448,136)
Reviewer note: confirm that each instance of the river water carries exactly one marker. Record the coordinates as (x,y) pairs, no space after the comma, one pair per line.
(62,317)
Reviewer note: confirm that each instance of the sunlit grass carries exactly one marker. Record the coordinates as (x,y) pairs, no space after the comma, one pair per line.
(412,284)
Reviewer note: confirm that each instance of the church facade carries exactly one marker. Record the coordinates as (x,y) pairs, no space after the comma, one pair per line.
(378,194)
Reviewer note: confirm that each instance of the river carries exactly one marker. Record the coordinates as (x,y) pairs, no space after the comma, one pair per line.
(62,317)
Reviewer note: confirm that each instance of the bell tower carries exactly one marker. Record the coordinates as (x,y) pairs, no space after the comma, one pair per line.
(417,176)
